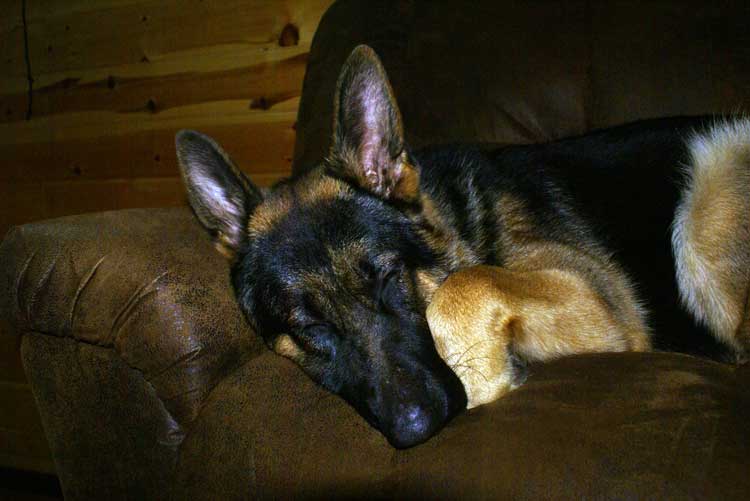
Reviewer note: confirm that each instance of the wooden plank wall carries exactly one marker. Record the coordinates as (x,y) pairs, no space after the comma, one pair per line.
(113,80)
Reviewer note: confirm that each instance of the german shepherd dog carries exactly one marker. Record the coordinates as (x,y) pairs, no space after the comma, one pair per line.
(416,283)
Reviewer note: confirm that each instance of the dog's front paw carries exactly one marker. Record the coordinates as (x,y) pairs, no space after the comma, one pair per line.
(472,332)
(484,371)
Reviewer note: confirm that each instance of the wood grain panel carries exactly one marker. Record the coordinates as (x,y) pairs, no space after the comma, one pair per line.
(113,33)
(91,196)
(257,147)
(13,73)
(11,18)
(261,85)
(71,126)
(20,203)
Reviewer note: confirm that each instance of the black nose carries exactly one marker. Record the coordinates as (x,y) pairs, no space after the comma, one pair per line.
(412,425)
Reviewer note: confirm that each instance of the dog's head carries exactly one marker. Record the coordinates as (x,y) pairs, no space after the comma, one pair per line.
(335,268)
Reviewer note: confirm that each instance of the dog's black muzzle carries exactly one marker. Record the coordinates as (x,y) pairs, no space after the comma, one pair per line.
(412,400)
(413,420)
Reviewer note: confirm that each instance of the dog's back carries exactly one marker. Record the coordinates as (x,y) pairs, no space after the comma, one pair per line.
(625,185)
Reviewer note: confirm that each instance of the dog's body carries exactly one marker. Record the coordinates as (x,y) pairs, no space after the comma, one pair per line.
(609,207)
(551,249)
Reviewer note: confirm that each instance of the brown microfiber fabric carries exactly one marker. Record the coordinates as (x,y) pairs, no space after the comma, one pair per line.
(623,426)
(110,435)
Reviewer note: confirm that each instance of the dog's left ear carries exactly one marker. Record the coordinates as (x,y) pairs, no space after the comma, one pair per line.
(368,136)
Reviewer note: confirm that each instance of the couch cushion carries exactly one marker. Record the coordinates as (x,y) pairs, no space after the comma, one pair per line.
(623,426)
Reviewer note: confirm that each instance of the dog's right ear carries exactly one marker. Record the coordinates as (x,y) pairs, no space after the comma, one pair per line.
(221,196)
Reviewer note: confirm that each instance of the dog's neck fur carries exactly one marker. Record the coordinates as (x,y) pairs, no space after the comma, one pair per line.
(453,208)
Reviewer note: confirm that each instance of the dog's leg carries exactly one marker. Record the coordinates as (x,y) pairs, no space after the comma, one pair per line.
(482,315)
(711,233)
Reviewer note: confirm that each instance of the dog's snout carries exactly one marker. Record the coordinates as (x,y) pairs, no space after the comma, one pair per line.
(413,425)
(418,401)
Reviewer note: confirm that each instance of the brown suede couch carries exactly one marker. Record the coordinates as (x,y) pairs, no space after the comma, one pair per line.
(151,386)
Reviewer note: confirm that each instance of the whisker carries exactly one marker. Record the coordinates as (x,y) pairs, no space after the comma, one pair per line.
(469,368)
(471,347)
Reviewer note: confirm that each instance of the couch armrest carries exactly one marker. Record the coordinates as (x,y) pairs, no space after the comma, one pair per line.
(129,303)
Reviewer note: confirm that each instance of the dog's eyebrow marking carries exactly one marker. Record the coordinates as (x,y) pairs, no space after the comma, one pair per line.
(345,259)
(340,263)
(341,272)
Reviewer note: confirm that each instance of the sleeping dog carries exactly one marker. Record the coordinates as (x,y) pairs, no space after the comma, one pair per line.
(415,283)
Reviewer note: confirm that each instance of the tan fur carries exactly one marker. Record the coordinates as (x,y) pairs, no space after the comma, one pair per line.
(443,236)
(285,346)
(407,186)
(267,215)
(515,217)
(480,313)
(597,272)
(591,263)
(225,246)
(346,255)
(346,273)
(711,232)
(314,188)
(427,282)
(320,188)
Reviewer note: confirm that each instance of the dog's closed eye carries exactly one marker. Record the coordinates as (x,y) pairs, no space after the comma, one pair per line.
(388,289)
(319,339)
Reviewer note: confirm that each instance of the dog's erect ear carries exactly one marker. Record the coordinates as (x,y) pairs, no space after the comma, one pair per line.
(368,137)
(220,194)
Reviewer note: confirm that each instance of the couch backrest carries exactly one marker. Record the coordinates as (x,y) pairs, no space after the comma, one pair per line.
(512,72)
